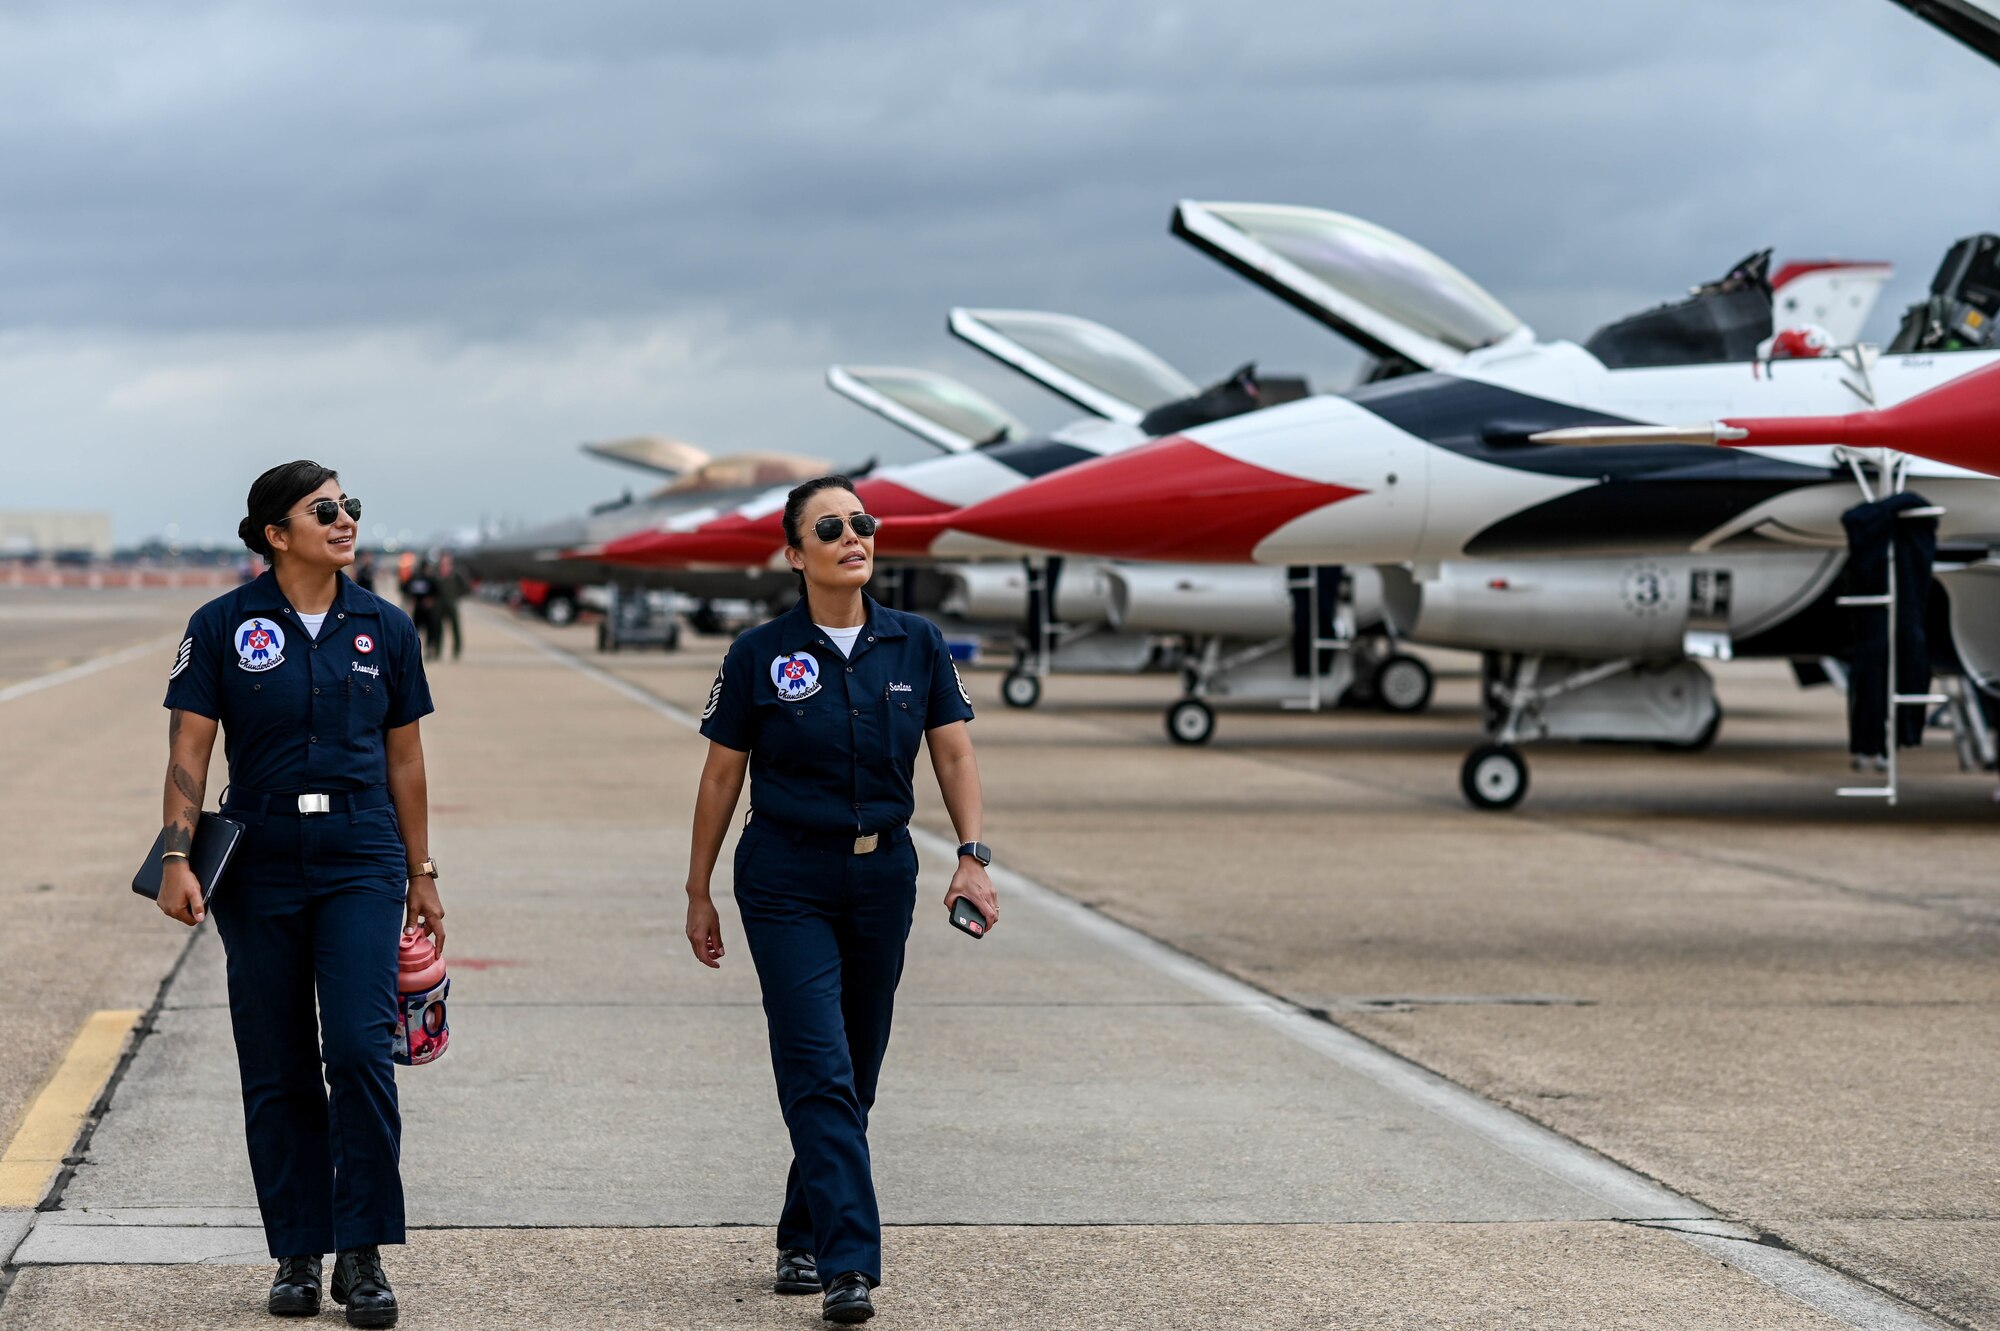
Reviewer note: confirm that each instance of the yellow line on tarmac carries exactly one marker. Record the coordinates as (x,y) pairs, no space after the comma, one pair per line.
(50,1128)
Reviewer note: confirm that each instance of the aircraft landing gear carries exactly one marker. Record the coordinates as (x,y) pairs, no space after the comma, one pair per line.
(560,609)
(1403,684)
(630,620)
(1021,689)
(1190,721)
(1535,697)
(1494,777)
(1700,743)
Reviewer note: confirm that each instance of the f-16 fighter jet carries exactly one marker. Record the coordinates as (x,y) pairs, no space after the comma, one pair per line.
(1437,462)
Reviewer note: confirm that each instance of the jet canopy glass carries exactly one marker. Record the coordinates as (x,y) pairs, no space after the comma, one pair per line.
(1384,291)
(934,407)
(1101,370)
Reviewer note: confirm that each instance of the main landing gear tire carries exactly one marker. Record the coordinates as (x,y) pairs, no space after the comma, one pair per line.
(560,610)
(1494,778)
(1190,721)
(1403,684)
(1700,743)
(1020,689)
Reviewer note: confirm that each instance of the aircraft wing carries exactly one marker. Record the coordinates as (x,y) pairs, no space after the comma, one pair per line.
(1974,22)
(1101,370)
(936,408)
(1384,292)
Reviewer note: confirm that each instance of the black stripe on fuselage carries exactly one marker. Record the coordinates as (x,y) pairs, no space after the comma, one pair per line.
(1037,457)
(1646,495)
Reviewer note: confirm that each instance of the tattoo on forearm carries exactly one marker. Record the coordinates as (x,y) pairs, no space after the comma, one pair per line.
(174,726)
(179,838)
(185,783)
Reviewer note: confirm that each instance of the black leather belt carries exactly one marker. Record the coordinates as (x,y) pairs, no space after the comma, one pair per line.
(304,803)
(853,843)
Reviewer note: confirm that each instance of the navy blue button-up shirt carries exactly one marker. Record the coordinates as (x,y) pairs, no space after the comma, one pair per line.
(833,740)
(300,713)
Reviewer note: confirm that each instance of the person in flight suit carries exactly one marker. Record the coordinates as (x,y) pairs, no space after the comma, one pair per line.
(825,707)
(317,686)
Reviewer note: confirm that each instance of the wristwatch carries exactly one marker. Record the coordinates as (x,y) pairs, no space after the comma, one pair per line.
(428,869)
(978,850)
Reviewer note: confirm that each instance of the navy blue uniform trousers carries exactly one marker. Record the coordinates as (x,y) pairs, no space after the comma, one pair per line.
(826,930)
(312,907)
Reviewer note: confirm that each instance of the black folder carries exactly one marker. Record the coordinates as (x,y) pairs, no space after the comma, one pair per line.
(215,839)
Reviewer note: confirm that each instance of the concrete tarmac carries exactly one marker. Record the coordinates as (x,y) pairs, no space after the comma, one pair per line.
(1124,1136)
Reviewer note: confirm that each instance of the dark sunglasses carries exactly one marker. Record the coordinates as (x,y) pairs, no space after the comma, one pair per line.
(828,528)
(327,511)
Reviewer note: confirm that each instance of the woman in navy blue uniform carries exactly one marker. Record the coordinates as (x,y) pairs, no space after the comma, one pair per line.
(317,686)
(825,708)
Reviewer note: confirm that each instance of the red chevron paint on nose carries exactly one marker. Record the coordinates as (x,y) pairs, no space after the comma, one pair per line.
(1172,499)
(732,541)
(908,516)
(736,540)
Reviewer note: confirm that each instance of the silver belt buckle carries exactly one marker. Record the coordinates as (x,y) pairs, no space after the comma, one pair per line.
(315,804)
(865,845)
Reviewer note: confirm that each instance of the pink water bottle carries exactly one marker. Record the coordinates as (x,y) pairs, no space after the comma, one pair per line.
(421,989)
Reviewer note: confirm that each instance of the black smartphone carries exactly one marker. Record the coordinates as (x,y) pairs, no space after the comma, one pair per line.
(966,916)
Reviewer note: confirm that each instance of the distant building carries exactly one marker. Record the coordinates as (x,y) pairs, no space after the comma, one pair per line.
(31,531)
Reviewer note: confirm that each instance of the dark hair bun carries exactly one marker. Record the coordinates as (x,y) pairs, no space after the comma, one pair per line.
(252,536)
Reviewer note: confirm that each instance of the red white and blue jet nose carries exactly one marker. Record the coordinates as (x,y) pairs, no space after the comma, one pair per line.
(1175,499)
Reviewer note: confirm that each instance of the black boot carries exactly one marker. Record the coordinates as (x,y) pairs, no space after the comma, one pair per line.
(798,1272)
(295,1291)
(847,1299)
(359,1283)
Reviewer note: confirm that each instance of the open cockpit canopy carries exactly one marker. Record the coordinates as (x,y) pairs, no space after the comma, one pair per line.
(1389,295)
(746,471)
(936,408)
(1974,22)
(1101,370)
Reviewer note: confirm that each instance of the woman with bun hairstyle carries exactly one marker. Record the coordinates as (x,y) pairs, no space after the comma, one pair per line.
(825,709)
(317,687)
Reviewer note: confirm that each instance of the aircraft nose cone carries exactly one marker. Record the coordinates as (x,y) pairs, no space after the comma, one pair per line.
(1173,499)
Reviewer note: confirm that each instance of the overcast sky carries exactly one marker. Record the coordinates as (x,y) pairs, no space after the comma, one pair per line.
(438,246)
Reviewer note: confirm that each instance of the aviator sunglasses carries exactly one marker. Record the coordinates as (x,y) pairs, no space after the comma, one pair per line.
(828,528)
(327,511)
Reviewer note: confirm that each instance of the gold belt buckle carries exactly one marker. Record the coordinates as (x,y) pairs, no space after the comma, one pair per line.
(315,804)
(865,845)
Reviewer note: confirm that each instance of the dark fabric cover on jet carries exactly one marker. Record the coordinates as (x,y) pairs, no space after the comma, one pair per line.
(1232,397)
(1871,530)
(1722,321)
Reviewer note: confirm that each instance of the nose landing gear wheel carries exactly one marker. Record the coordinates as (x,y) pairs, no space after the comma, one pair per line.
(1700,743)
(1403,684)
(1494,777)
(1190,721)
(1020,689)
